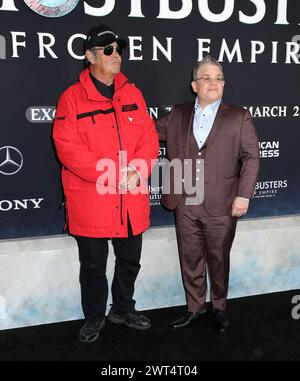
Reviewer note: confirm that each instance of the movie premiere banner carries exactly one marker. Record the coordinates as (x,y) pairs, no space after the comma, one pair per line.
(257,42)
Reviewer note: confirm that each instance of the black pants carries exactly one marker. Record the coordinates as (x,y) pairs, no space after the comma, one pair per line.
(93,254)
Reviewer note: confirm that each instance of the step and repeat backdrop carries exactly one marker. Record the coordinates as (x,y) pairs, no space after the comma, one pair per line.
(257,42)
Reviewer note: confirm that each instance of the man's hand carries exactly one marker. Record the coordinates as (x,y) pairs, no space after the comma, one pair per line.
(239,207)
(130,180)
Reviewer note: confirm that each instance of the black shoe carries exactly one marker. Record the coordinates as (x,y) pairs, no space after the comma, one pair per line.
(131,319)
(89,333)
(220,321)
(190,319)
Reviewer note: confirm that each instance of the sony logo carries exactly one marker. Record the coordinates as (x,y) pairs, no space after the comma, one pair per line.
(33,203)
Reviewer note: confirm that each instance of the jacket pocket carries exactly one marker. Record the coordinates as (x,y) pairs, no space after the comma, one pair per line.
(94,120)
(229,176)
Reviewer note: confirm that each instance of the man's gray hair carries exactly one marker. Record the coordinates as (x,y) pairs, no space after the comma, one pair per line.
(206,60)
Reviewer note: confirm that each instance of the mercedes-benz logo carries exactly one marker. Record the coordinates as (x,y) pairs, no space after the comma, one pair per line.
(52,8)
(11,160)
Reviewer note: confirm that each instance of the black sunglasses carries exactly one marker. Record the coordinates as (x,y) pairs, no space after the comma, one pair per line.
(108,50)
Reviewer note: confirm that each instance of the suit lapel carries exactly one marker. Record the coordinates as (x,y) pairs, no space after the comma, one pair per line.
(186,125)
(217,125)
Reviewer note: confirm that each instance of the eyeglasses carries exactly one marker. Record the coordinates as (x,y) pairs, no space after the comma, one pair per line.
(108,50)
(207,79)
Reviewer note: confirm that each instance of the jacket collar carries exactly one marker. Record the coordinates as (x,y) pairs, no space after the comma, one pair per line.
(188,119)
(92,93)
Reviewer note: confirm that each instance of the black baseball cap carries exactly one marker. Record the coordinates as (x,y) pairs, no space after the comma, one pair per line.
(102,35)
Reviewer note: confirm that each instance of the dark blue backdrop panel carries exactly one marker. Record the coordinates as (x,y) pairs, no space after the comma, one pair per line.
(257,45)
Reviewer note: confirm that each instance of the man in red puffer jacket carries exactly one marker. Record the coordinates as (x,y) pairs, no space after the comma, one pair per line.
(107,144)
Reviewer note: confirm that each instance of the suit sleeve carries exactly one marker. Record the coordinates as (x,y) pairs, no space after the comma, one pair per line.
(71,150)
(249,157)
(146,151)
(162,127)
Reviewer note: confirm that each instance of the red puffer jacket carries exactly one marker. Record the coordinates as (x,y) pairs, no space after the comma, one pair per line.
(90,131)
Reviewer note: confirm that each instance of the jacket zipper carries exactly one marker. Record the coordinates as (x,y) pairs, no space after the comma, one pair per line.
(121,162)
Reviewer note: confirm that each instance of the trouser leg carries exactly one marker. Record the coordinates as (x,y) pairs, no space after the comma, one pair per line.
(128,253)
(218,235)
(192,256)
(93,254)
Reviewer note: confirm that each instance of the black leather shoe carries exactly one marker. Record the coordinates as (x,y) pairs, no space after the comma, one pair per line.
(190,319)
(220,321)
(89,333)
(131,319)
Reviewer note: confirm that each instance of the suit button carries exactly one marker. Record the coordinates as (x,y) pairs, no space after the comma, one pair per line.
(199,153)
(197,178)
(183,180)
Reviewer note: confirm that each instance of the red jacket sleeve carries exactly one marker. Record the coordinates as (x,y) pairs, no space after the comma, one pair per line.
(146,152)
(71,151)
